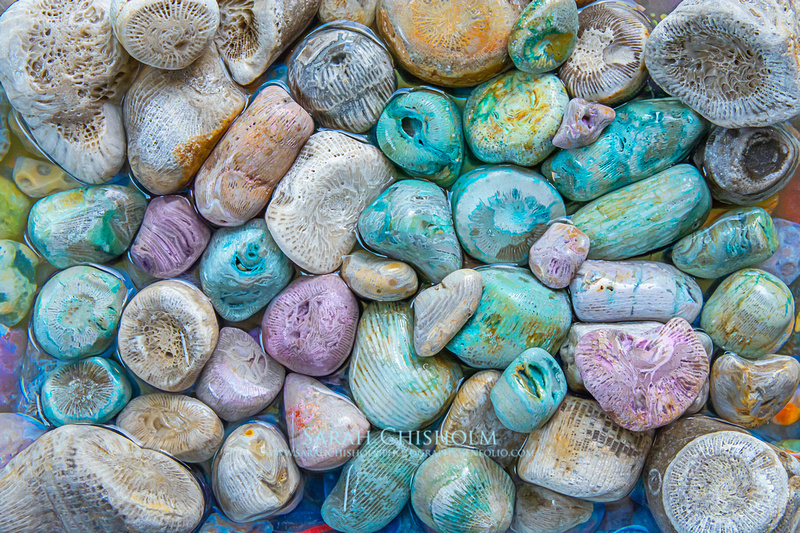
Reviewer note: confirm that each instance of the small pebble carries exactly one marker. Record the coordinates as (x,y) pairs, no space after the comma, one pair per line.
(38,179)
(558,254)
(374,278)
(582,124)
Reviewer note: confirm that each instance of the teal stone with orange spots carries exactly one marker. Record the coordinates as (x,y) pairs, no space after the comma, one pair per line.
(544,35)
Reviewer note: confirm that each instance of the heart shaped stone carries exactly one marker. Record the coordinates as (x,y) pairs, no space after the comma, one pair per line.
(643,381)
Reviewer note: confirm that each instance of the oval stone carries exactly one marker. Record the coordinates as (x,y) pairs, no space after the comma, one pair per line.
(646,215)
(17,281)
(514,117)
(542,318)
(393,386)
(87,225)
(411,221)
(738,239)
(751,313)
(610,291)
(77,312)
(544,35)
(646,137)
(500,211)
(242,270)
(375,278)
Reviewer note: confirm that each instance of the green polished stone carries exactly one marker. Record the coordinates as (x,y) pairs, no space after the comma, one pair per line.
(17,281)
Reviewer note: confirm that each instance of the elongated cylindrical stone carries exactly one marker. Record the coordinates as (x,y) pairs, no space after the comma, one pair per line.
(646,215)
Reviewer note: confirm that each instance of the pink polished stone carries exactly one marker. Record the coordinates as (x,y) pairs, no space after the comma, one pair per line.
(558,254)
(643,381)
(582,124)
(171,238)
(17,432)
(324,428)
(311,325)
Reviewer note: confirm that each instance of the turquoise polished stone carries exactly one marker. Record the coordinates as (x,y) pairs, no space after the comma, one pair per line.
(739,238)
(500,211)
(90,391)
(17,281)
(646,137)
(646,215)
(374,486)
(514,117)
(77,312)
(411,221)
(541,319)
(544,35)
(88,225)
(243,269)
(420,131)
(529,391)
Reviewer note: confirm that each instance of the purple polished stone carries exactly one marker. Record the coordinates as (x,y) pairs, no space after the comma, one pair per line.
(171,238)
(785,262)
(582,124)
(239,379)
(558,254)
(643,381)
(311,325)
(13,344)
(17,432)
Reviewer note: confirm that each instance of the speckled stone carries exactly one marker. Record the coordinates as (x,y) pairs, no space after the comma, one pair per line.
(582,124)
(529,391)
(311,325)
(420,131)
(375,278)
(14,207)
(411,221)
(558,254)
(500,211)
(92,224)
(77,312)
(17,432)
(514,117)
(646,215)
(785,262)
(242,270)
(17,281)
(645,138)
(751,313)
(542,319)
(739,238)
(544,35)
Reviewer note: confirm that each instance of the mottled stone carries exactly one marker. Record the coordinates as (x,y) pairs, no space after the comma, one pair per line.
(558,254)
(411,221)
(750,393)
(544,35)
(38,179)
(420,131)
(610,291)
(239,380)
(582,453)
(77,312)
(751,313)
(739,238)
(540,510)
(394,387)
(171,238)
(343,75)
(514,117)
(92,224)
(14,208)
(785,262)
(607,64)
(472,422)
(242,270)
(17,281)
(457,490)
(542,319)
(645,138)
(500,211)
(451,43)
(311,325)
(13,356)
(375,278)
(374,486)
(440,311)
(529,391)
(361,11)
(236,181)
(646,215)
(643,381)
(91,391)
(582,124)
(324,428)
(17,432)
